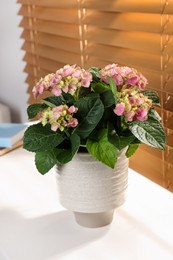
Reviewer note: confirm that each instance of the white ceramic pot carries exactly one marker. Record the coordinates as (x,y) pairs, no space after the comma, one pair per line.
(91,189)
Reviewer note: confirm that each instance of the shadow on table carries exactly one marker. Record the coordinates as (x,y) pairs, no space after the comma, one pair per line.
(43,237)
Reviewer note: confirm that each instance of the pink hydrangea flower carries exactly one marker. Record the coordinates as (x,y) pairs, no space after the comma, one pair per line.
(119,109)
(76,74)
(55,80)
(141,114)
(133,105)
(72,109)
(67,79)
(67,70)
(59,117)
(129,116)
(57,91)
(133,81)
(143,82)
(55,126)
(123,76)
(58,108)
(73,122)
(140,101)
(118,80)
(86,78)
(38,89)
(132,100)
(123,71)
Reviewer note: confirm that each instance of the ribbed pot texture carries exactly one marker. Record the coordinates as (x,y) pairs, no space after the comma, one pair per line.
(87,185)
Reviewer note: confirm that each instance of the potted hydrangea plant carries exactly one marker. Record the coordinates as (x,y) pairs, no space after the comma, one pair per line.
(105,113)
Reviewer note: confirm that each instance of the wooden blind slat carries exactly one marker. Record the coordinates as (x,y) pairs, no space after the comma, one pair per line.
(148,42)
(53,54)
(155,152)
(170,140)
(30,80)
(58,55)
(125,56)
(67,30)
(53,41)
(51,14)
(123,21)
(43,63)
(169,157)
(168,123)
(50,3)
(150,168)
(124,6)
(58,42)
(26,35)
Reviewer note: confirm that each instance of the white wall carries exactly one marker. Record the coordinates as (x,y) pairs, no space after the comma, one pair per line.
(12,78)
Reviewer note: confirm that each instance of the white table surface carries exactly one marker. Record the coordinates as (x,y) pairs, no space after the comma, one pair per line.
(34,226)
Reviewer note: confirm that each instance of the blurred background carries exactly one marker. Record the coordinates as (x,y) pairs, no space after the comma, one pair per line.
(13,89)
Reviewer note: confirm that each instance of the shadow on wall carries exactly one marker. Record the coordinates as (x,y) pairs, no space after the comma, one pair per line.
(5,115)
(10,114)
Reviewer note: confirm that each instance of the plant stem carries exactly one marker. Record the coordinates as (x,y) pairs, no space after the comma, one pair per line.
(77,94)
(67,133)
(83,145)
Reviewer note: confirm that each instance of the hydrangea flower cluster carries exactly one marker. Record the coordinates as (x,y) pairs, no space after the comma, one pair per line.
(67,79)
(131,103)
(59,117)
(123,76)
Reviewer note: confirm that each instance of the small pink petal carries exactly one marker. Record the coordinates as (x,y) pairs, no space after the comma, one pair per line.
(73,122)
(119,109)
(56,91)
(72,109)
(55,126)
(129,116)
(141,114)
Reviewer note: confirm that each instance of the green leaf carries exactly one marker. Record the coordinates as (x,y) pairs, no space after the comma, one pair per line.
(44,161)
(102,149)
(66,155)
(38,138)
(113,88)
(107,98)
(120,142)
(105,92)
(95,72)
(49,104)
(54,100)
(136,141)
(34,109)
(131,150)
(149,132)
(68,98)
(153,115)
(65,98)
(90,111)
(100,87)
(153,96)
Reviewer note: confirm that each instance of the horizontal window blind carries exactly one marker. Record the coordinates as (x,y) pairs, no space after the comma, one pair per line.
(51,35)
(167,86)
(96,33)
